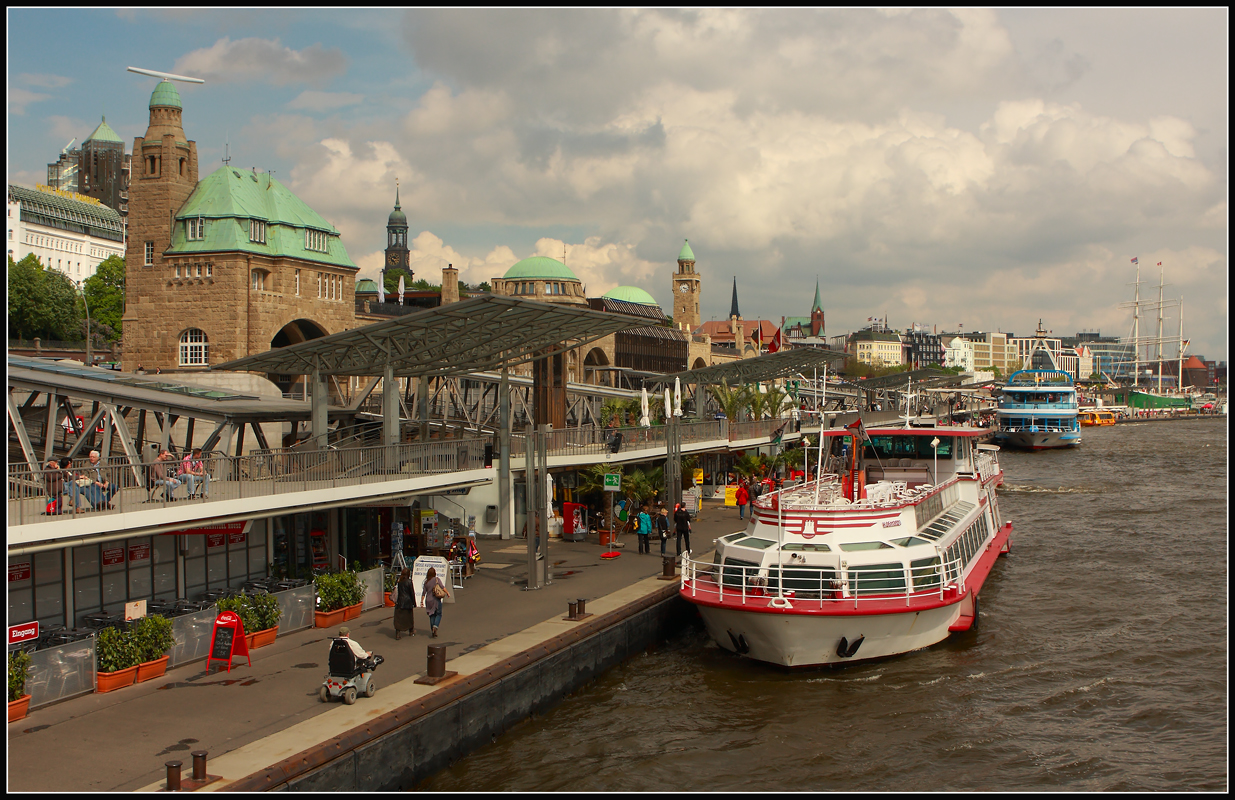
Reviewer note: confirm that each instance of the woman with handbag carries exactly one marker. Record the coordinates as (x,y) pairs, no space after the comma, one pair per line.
(405,603)
(434,592)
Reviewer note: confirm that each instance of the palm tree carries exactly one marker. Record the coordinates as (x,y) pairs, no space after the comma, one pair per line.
(751,466)
(731,400)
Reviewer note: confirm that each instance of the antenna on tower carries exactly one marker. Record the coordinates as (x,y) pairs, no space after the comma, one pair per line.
(167,76)
(227,153)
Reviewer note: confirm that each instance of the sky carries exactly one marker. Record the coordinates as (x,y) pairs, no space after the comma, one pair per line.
(975,169)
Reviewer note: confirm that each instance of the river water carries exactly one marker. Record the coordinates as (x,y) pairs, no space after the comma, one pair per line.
(1100,663)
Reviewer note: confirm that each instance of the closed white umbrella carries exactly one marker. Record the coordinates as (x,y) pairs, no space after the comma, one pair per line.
(668,405)
(381,288)
(400,290)
(645,421)
(677,397)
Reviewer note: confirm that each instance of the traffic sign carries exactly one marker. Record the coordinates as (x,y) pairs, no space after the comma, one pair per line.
(613,482)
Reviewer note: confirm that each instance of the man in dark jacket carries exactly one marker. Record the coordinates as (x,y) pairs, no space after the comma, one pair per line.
(681,520)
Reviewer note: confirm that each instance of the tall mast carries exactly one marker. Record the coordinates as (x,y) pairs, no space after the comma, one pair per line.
(1160,285)
(1179,384)
(1136,328)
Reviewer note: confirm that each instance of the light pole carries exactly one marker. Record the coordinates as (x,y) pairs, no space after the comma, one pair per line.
(89,349)
(935,447)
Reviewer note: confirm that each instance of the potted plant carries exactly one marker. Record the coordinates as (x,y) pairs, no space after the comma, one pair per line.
(154,639)
(389,580)
(19,669)
(117,656)
(240,607)
(266,612)
(340,596)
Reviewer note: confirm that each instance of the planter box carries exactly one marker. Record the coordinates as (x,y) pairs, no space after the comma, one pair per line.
(151,669)
(110,681)
(19,707)
(352,612)
(606,537)
(261,638)
(390,601)
(328,619)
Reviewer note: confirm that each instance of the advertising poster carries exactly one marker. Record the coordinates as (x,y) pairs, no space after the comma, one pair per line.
(420,568)
(731,496)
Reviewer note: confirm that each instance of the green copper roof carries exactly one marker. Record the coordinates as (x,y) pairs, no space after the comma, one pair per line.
(230,199)
(687,254)
(397,217)
(540,267)
(366,285)
(104,133)
(631,294)
(165,94)
(817,304)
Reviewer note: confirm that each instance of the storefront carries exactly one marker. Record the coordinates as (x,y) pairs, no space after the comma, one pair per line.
(301,543)
(59,587)
(367,533)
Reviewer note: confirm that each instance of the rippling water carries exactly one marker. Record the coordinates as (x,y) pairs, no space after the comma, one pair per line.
(1100,663)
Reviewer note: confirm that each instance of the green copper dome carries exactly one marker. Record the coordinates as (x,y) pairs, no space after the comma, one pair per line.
(165,94)
(397,218)
(366,285)
(631,294)
(540,267)
(687,254)
(104,133)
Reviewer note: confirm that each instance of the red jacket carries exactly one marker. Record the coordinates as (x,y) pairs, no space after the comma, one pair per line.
(743,496)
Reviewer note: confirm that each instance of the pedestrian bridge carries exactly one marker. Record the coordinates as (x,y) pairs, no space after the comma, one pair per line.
(275,482)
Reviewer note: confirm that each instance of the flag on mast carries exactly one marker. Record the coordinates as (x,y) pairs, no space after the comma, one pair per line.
(755,338)
(1134,261)
(774,345)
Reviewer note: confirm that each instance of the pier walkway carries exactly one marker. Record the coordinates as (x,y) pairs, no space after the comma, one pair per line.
(253,717)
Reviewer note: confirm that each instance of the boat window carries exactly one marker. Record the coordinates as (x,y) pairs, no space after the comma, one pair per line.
(925,573)
(733,571)
(909,541)
(760,544)
(856,547)
(809,548)
(907,447)
(733,537)
(876,579)
(805,581)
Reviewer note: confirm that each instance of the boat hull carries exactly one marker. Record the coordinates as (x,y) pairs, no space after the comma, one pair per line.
(1025,440)
(800,640)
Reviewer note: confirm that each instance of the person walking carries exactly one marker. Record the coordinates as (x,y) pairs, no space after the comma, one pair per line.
(434,593)
(742,497)
(681,519)
(661,523)
(405,604)
(645,531)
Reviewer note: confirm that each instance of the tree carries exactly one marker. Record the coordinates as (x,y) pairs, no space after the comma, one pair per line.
(484,287)
(64,307)
(751,466)
(104,292)
(731,400)
(390,281)
(42,301)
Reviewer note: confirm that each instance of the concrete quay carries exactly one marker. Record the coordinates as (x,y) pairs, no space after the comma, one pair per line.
(265,729)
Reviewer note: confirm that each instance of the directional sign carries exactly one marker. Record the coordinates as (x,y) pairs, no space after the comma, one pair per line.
(613,482)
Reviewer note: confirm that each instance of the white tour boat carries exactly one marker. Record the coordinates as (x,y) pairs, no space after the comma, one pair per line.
(884,553)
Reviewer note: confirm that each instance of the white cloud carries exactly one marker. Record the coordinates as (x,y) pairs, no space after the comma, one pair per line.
(20,98)
(311,100)
(262,59)
(44,80)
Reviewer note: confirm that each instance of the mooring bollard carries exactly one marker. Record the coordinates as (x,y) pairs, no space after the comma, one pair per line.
(199,765)
(667,565)
(579,606)
(173,775)
(574,610)
(437,660)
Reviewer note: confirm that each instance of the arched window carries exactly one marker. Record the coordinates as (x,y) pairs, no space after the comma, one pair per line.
(194,349)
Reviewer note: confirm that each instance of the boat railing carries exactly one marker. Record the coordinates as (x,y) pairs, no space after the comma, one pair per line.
(1058,405)
(988,464)
(1037,426)
(824,587)
(890,494)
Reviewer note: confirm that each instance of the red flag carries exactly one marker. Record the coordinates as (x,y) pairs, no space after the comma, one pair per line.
(774,347)
(755,338)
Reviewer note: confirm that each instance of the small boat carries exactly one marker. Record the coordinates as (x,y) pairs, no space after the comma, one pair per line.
(1038,411)
(884,553)
(1095,417)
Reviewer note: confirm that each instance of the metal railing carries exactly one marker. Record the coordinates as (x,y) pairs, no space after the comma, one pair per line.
(987,463)
(821,586)
(758,428)
(889,494)
(597,440)
(263,473)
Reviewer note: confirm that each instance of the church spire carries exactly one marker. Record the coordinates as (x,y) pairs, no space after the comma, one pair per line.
(817,306)
(733,307)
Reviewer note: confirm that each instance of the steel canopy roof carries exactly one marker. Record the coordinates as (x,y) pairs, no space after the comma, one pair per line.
(761,368)
(481,333)
(900,380)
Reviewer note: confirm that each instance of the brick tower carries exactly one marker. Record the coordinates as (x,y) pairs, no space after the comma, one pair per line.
(686,291)
(164,174)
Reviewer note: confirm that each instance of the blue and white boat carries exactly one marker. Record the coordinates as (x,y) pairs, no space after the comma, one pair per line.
(1038,411)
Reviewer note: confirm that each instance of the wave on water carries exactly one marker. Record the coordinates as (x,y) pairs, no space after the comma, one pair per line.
(1029,488)
(865,679)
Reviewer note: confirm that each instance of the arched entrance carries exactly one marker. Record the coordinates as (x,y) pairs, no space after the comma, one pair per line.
(595,358)
(294,332)
(699,364)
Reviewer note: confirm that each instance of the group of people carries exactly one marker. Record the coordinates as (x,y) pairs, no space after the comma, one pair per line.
(648,521)
(433,590)
(88,481)
(747,494)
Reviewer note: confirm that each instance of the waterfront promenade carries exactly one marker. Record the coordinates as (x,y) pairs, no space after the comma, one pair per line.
(256,716)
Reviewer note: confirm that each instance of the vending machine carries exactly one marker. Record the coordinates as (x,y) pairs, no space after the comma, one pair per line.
(574,522)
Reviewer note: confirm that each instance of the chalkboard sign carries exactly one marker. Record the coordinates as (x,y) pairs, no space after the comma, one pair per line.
(227,640)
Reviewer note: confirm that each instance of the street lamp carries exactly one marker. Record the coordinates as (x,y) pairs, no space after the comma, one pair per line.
(935,447)
(89,349)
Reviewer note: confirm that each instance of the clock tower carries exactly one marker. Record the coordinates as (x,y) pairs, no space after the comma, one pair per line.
(397,256)
(686,291)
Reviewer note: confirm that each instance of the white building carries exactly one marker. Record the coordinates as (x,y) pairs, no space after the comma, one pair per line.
(959,353)
(68,232)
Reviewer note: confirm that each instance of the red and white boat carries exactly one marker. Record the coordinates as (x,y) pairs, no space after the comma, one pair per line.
(886,552)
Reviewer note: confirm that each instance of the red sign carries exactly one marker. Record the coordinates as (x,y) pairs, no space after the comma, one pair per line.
(235,538)
(26,632)
(214,540)
(227,640)
(19,571)
(139,552)
(113,556)
(226,527)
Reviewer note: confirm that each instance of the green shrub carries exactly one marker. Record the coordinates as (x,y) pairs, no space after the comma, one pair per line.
(19,668)
(241,607)
(154,636)
(115,650)
(389,580)
(338,590)
(266,611)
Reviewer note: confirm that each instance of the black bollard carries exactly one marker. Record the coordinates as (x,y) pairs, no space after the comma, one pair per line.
(199,765)
(574,610)
(173,775)
(437,660)
(667,567)
(579,606)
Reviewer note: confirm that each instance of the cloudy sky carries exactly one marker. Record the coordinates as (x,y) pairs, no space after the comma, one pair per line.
(977,168)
